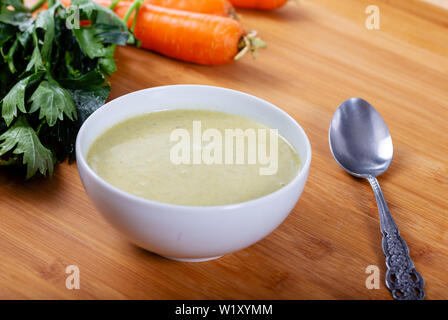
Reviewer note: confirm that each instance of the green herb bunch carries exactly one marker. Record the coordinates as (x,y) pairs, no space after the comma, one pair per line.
(53,71)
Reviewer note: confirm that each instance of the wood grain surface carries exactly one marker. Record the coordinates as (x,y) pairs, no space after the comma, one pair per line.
(319,53)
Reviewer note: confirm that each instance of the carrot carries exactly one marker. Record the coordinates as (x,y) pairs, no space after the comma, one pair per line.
(258,4)
(216,7)
(193,37)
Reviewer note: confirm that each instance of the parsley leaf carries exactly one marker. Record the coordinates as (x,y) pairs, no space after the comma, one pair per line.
(22,139)
(15,99)
(36,58)
(16,18)
(105,28)
(89,100)
(89,41)
(45,20)
(53,101)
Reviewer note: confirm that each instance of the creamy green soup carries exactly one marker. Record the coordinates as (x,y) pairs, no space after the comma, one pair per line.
(194,157)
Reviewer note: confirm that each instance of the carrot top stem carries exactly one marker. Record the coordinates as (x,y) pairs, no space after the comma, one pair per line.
(133,7)
(250,42)
(37,5)
(114,4)
(137,8)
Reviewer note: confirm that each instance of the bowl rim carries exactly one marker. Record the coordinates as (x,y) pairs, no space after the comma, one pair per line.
(81,161)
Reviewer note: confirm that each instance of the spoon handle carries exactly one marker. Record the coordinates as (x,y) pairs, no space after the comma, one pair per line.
(402,279)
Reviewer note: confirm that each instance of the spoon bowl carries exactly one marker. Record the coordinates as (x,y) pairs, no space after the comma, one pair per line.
(359,139)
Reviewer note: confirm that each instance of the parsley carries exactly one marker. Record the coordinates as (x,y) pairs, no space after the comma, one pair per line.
(52,77)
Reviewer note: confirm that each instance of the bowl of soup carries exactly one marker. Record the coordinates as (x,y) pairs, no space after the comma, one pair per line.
(192,172)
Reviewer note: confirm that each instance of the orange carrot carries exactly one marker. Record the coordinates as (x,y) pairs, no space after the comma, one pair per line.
(216,7)
(194,37)
(258,4)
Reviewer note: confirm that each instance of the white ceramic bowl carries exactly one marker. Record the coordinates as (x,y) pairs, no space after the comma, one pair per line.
(190,233)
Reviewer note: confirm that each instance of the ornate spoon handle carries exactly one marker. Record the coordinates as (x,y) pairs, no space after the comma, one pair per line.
(402,279)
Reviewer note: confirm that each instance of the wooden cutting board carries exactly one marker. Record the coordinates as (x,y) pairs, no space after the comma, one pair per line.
(319,54)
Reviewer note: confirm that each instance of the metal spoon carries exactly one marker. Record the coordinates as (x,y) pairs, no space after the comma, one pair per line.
(361,143)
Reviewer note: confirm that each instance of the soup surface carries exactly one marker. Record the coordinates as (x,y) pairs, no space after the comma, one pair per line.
(137,156)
